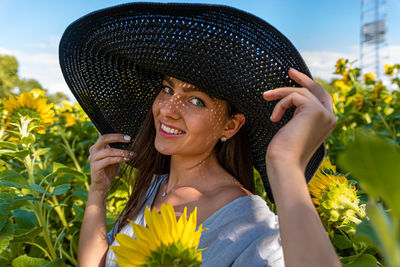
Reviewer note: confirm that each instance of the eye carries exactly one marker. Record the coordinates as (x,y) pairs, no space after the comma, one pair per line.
(167,90)
(197,102)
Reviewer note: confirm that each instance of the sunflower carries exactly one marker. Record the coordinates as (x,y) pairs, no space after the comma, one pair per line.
(343,86)
(369,78)
(71,113)
(341,66)
(335,198)
(164,242)
(32,105)
(389,70)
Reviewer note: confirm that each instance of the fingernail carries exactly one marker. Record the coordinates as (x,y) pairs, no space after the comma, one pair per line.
(293,69)
(131,153)
(270,117)
(126,159)
(127,137)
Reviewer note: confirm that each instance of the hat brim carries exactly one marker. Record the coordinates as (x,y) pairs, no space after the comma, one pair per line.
(113,59)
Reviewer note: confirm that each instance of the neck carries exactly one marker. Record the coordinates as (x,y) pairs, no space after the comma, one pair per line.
(197,171)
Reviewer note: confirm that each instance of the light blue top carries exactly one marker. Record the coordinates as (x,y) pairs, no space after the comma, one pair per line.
(244,232)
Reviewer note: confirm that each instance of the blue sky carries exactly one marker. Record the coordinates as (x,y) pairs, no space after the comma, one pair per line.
(322,30)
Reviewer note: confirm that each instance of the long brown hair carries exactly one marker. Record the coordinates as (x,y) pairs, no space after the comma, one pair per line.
(233,155)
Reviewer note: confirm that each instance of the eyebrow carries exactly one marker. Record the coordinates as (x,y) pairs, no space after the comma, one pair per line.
(190,88)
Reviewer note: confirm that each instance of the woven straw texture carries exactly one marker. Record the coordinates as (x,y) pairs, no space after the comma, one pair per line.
(113,61)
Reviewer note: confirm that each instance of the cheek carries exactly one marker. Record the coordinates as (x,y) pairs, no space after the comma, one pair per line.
(156,106)
(208,126)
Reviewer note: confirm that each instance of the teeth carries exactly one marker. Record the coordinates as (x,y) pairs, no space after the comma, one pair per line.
(170,130)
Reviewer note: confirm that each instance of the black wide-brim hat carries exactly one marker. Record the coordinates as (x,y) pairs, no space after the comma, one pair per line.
(113,61)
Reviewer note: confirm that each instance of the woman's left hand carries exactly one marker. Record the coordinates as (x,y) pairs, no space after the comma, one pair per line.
(313,121)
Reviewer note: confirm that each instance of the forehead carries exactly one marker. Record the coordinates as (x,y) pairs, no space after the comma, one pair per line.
(186,87)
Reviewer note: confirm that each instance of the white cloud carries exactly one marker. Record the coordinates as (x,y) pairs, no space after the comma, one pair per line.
(52,44)
(322,63)
(394,54)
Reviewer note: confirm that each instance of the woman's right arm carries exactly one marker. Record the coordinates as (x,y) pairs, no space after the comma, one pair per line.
(105,163)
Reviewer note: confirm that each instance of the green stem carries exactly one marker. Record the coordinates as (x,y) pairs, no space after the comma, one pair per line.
(71,154)
(41,248)
(47,239)
(70,151)
(69,257)
(59,211)
(29,166)
(386,125)
(41,217)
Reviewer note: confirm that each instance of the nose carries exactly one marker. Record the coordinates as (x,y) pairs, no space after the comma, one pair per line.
(172,107)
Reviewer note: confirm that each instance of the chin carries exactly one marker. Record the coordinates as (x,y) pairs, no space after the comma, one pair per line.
(163,149)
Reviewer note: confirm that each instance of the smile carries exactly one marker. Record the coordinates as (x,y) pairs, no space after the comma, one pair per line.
(170,130)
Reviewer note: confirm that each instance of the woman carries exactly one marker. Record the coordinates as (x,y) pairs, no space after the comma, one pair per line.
(190,77)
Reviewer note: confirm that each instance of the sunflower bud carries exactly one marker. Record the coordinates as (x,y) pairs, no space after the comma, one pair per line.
(335,198)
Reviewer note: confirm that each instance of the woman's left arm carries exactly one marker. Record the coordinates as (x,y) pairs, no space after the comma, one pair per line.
(304,239)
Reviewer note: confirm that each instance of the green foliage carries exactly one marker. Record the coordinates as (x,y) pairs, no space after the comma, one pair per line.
(362,102)
(8,74)
(375,163)
(44,186)
(44,178)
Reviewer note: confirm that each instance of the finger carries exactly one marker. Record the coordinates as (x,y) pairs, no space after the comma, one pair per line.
(101,164)
(294,99)
(279,93)
(106,139)
(110,152)
(314,87)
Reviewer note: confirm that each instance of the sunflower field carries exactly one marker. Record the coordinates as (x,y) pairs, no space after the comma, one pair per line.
(45,175)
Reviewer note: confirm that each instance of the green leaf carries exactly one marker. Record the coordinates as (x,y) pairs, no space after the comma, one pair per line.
(6,234)
(383,227)
(11,178)
(61,189)
(28,139)
(19,201)
(15,154)
(5,206)
(25,219)
(81,193)
(39,189)
(342,242)
(41,151)
(73,172)
(61,169)
(56,263)
(57,166)
(365,233)
(4,214)
(375,163)
(365,260)
(5,144)
(28,236)
(26,261)
(79,212)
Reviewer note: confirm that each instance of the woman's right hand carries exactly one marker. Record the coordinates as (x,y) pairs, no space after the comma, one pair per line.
(105,161)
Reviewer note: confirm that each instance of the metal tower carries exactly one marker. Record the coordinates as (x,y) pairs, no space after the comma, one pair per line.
(373,34)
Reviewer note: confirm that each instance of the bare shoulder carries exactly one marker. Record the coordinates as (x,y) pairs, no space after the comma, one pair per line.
(226,194)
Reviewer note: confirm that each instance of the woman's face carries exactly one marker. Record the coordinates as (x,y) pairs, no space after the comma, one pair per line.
(187,120)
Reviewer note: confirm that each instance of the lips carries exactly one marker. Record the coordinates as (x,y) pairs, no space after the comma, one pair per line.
(170,130)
